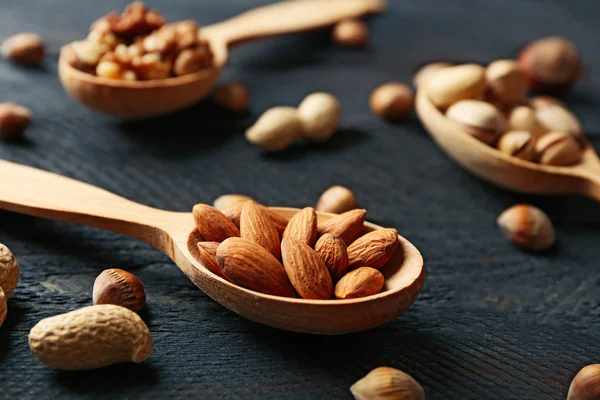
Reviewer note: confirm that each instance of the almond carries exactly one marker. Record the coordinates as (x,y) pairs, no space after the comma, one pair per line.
(373,249)
(208,258)
(257,227)
(225,201)
(303,227)
(234,213)
(307,272)
(279,221)
(346,226)
(361,282)
(332,251)
(249,265)
(212,224)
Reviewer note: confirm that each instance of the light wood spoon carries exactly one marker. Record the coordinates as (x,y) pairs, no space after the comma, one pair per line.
(140,99)
(43,194)
(504,170)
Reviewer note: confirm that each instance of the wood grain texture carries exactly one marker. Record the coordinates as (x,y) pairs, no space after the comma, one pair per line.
(491,322)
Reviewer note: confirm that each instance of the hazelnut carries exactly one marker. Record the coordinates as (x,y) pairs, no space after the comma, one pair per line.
(506,80)
(320,114)
(557,118)
(452,84)
(350,33)
(226,201)
(392,100)
(233,96)
(542,101)
(122,288)
(527,227)
(427,72)
(551,64)
(520,144)
(24,48)
(480,119)
(387,383)
(337,200)
(523,118)
(9,271)
(586,384)
(14,119)
(558,148)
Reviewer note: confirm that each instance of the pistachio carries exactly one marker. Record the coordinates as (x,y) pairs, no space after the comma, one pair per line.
(558,148)
(542,101)
(351,33)
(557,118)
(452,84)
(387,383)
(520,144)
(527,227)
(427,72)
(480,119)
(586,384)
(506,80)
(523,118)
(392,100)
(121,288)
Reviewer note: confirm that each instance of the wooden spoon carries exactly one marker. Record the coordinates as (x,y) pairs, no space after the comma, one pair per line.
(154,97)
(43,194)
(504,170)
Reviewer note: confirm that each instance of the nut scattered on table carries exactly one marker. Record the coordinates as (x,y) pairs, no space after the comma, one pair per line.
(351,33)
(320,114)
(558,148)
(586,384)
(121,288)
(91,337)
(519,144)
(3,307)
(479,119)
(14,120)
(528,227)
(276,129)
(385,383)
(9,271)
(232,96)
(392,100)
(426,73)
(24,48)
(337,199)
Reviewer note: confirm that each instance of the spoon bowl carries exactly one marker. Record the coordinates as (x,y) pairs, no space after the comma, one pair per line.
(141,99)
(503,170)
(43,194)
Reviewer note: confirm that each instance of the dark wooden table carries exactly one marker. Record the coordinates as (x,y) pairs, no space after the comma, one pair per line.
(491,322)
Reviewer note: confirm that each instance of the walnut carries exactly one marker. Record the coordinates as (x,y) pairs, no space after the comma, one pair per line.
(87,54)
(163,41)
(136,20)
(193,60)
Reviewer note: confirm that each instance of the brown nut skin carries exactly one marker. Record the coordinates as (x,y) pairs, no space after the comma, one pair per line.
(558,148)
(551,64)
(212,224)
(337,199)
(361,282)
(14,119)
(527,227)
(24,48)
(91,337)
(453,84)
(524,118)
(334,254)
(479,119)
(519,144)
(351,33)
(9,271)
(427,72)
(586,384)
(392,100)
(507,81)
(233,96)
(121,288)
(386,383)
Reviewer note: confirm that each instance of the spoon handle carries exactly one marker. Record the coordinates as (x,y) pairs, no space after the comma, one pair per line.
(43,194)
(289,17)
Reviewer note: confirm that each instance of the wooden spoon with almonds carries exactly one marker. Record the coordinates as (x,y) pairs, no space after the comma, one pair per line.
(139,99)
(502,169)
(43,194)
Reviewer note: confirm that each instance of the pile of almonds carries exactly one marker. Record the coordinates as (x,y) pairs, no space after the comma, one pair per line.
(254,247)
(491,104)
(138,45)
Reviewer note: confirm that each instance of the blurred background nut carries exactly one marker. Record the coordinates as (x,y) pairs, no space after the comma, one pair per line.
(557,118)
(9,271)
(232,96)
(386,383)
(558,148)
(427,72)
(478,118)
(276,129)
(452,84)
(337,199)
(24,48)
(552,64)
(520,144)
(14,119)
(527,227)
(119,287)
(3,307)
(523,118)
(320,114)
(351,33)
(542,101)
(506,80)
(226,201)
(193,60)
(586,384)
(392,100)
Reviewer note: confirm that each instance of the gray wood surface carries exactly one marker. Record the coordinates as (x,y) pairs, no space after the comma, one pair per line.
(492,322)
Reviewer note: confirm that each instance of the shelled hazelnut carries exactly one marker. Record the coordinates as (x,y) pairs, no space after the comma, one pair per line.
(392,100)
(351,33)
(24,48)
(233,96)
(14,119)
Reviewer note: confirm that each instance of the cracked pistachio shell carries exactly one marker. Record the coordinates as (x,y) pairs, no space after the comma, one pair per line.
(386,383)
(479,119)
